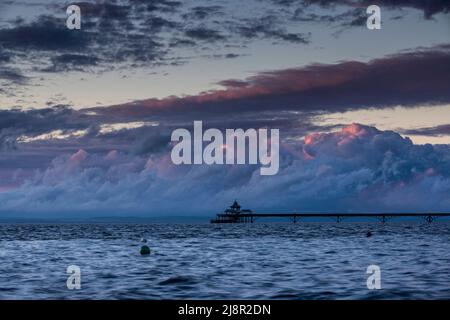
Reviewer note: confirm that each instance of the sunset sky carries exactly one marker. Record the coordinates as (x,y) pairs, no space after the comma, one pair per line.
(86,115)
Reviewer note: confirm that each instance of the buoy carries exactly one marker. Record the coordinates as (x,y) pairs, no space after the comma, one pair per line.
(145,250)
(368,234)
(143,240)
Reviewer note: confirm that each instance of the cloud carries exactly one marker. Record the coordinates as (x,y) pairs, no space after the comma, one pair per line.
(429,8)
(72,62)
(45,34)
(131,34)
(348,18)
(20,127)
(358,168)
(30,139)
(34,121)
(104,10)
(128,34)
(410,78)
(12,75)
(202,33)
(203,12)
(352,13)
(269,27)
(289,99)
(441,130)
(110,38)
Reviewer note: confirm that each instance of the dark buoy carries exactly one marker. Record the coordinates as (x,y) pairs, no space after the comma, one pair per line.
(368,234)
(145,250)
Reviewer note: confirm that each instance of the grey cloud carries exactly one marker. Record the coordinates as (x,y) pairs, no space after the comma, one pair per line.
(203,12)
(12,75)
(268,27)
(409,79)
(358,168)
(204,33)
(45,34)
(71,62)
(14,123)
(132,33)
(441,130)
(429,8)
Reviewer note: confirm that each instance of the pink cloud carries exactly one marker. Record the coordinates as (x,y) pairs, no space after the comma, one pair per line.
(78,156)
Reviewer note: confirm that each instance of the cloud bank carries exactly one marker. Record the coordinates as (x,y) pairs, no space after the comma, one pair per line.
(133,34)
(410,78)
(358,168)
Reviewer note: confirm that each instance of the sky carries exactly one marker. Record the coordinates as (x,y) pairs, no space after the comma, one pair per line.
(86,115)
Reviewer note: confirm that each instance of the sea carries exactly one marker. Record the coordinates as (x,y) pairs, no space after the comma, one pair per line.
(307,260)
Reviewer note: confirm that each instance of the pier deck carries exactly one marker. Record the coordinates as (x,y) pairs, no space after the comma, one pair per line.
(383,217)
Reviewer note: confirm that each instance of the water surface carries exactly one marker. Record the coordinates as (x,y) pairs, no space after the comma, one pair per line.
(203,261)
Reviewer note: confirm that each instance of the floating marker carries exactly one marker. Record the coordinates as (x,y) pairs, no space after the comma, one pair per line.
(143,240)
(145,250)
(368,234)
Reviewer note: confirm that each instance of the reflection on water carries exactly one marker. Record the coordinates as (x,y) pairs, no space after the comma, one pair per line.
(202,261)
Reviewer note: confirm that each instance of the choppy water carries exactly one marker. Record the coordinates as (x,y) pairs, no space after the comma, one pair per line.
(258,261)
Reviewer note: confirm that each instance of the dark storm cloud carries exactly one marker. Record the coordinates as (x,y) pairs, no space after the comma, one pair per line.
(104,10)
(268,27)
(177,43)
(12,75)
(71,62)
(204,33)
(131,34)
(4,56)
(43,42)
(232,55)
(136,33)
(51,47)
(14,123)
(349,18)
(202,12)
(37,120)
(442,130)
(125,9)
(358,168)
(148,141)
(355,14)
(157,5)
(289,99)
(429,7)
(409,79)
(45,34)
(157,24)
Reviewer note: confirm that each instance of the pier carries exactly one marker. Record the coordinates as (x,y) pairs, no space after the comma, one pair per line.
(235,215)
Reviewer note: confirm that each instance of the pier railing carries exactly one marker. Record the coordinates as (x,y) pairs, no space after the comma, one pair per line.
(383,217)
